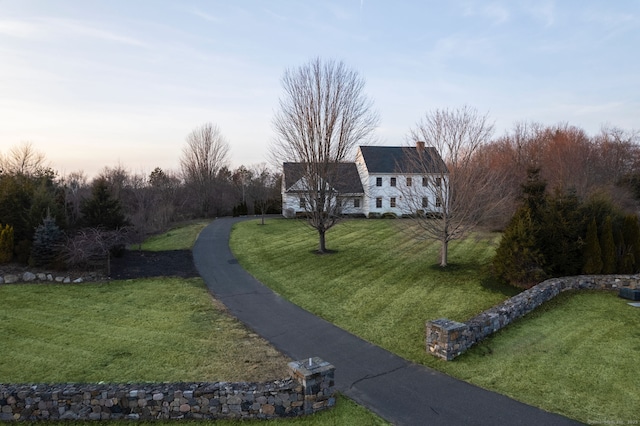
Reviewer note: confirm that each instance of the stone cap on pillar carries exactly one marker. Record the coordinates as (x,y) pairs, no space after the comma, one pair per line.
(310,366)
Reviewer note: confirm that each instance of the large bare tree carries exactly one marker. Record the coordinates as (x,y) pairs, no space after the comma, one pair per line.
(323,114)
(205,153)
(23,160)
(464,190)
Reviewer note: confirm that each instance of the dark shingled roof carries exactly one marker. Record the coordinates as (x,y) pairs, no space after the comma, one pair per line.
(346,181)
(400,159)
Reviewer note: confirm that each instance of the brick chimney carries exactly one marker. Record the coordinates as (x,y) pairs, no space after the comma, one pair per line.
(419,145)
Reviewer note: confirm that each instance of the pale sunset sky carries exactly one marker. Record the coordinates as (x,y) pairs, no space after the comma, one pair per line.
(101,83)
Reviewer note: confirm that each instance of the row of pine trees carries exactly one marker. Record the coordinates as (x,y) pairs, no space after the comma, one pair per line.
(553,235)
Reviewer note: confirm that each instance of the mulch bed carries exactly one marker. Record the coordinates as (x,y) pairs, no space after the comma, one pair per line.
(146,264)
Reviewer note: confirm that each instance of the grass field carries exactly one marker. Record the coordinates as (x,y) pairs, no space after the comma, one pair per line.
(573,356)
(136,330)
(148,330)
(180,237)
(378,282)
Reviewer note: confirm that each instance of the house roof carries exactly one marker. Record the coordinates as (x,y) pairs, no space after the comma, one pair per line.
(400,159)
(345,181)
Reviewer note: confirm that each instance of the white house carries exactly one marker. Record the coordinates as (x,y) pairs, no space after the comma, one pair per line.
(384,179)
(345,189)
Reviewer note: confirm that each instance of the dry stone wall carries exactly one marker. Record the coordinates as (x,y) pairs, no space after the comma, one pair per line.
(447,339)
(309,389)
(47,277)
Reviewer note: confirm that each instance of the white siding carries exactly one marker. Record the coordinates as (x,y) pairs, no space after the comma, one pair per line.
(408,199)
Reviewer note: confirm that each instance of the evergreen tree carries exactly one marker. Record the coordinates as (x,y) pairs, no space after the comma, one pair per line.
(102,209)
(6,244)
(608,248)
(631,235)
(560,234)
(624,256)
(592,251)
(518,260)
(47,243)
(533,195)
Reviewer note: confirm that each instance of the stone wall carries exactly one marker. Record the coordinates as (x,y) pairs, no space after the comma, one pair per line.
(44,277)
(309,389)
(447,339)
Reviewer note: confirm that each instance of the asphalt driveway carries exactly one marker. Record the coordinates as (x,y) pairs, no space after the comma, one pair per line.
(401,392)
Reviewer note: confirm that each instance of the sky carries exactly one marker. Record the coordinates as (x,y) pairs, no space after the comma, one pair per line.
(105,83)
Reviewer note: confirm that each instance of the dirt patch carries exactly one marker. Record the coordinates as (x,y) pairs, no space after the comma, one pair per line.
(146,264)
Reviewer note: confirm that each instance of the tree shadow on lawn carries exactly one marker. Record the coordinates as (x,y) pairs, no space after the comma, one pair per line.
(488,281)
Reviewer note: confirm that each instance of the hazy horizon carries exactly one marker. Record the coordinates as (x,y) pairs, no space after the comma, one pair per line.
(95,84)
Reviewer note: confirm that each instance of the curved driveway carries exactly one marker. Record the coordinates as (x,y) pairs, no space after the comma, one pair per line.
(401,392)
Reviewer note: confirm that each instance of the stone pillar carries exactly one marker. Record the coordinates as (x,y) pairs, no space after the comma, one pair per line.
(317,379)
(445,338)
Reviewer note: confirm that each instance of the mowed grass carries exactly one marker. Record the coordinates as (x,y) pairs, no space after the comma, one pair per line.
(379,284)
(149,330)
(181,237)
(574,356)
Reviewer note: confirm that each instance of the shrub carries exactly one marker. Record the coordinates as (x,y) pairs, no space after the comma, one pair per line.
(6,243)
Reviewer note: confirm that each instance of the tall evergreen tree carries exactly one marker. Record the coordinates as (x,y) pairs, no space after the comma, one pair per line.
(518,259)
(631,233)
(559,235)
(608,247)
(592,251)
(102,209)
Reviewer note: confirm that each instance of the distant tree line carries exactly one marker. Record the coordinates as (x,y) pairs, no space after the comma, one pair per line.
(69,221)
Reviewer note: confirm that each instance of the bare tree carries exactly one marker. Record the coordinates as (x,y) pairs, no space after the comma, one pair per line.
(24,160)
(76,188)
(463,191)
(322,116)
(165,197)
(205,153)
(263,189)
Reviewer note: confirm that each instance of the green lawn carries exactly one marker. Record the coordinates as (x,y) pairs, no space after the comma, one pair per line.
(149,330)
(379,283)
(574,356)
(181,237)
(126,331)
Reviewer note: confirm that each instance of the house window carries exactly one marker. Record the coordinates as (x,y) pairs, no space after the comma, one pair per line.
(438,182)
(438,202)
(393,181)
(425,181)
(379,181)
(356,203)
(408,181)
(425,202)
(379,202)
(303,204)
(392,203)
